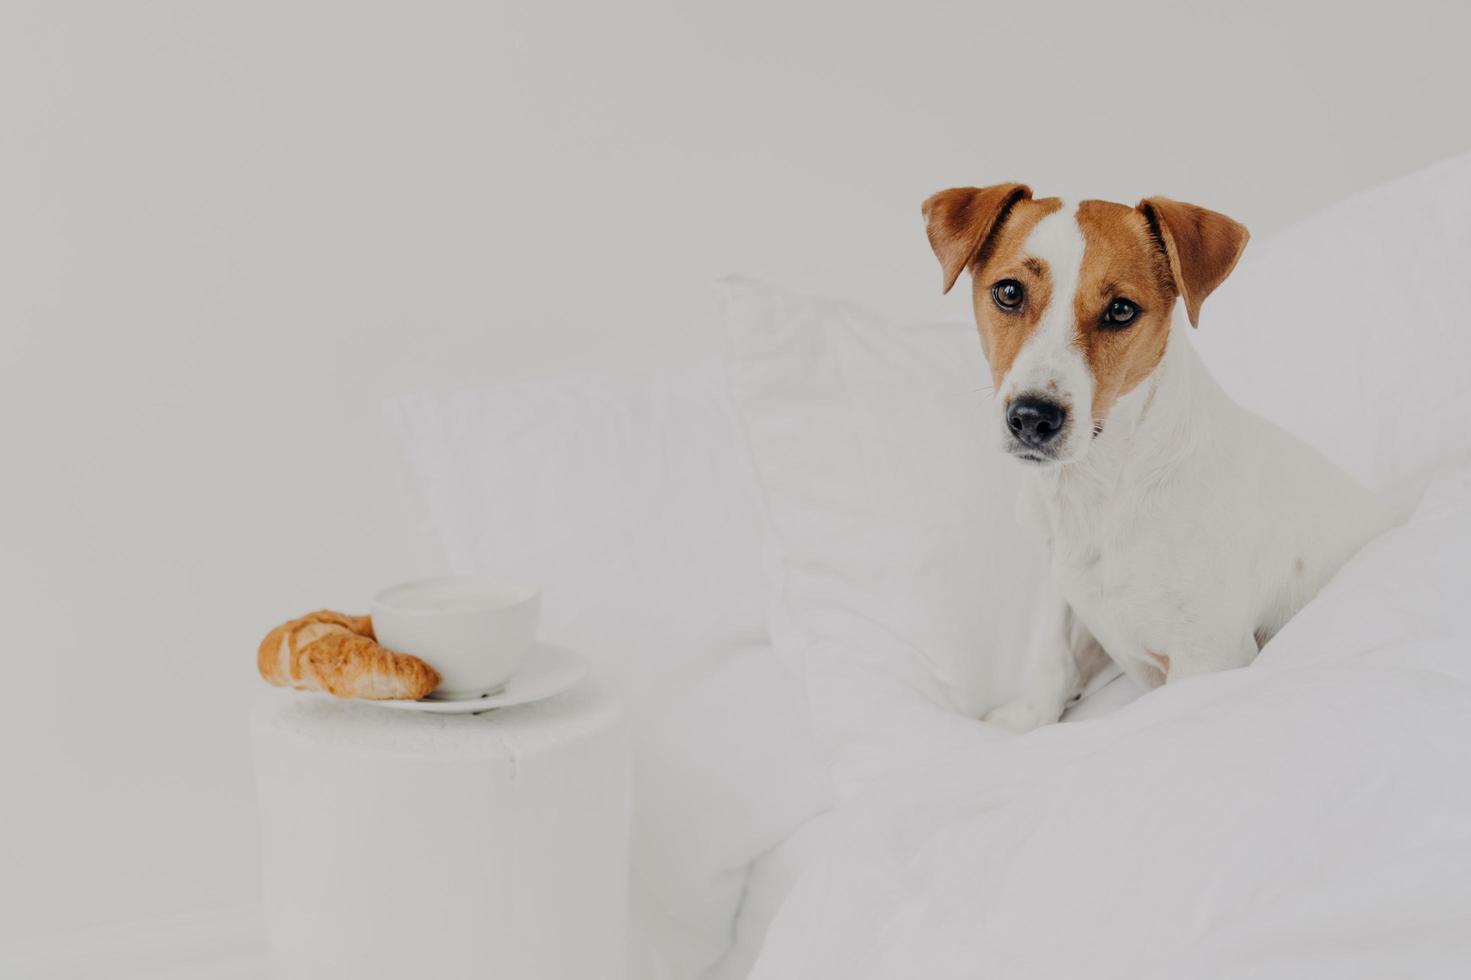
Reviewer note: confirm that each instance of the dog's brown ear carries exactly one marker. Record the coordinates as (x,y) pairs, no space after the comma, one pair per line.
(1202,247)
(960,220)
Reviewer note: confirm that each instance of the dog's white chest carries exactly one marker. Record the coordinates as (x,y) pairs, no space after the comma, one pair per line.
(1120,607)
(1117,581)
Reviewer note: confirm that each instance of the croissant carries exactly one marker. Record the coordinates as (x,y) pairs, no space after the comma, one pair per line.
(332,652)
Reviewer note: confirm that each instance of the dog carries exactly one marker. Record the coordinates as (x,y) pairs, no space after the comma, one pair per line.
(1182,530)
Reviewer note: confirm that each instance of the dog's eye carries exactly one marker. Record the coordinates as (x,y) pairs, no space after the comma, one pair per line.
(1008,294)
(1120,313)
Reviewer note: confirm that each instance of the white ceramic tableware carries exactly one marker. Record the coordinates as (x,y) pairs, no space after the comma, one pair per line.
(548,672)
(476,631)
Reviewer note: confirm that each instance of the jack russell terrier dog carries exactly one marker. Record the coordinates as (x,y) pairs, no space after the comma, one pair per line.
(1183,531)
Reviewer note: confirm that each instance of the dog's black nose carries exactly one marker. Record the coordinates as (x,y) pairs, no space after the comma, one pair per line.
(1035,421)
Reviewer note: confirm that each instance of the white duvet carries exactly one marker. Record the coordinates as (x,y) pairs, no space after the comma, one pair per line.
(1309,816)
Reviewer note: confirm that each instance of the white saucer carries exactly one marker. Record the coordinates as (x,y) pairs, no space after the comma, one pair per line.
(549,670)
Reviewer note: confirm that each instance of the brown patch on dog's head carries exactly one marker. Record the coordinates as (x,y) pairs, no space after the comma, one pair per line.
(1121,262)
(1147,255)
(1004,334)
(959,216)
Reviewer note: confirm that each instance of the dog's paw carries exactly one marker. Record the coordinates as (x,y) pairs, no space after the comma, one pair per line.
(1021,715)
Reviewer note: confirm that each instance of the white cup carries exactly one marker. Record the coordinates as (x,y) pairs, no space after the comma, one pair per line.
(476,631)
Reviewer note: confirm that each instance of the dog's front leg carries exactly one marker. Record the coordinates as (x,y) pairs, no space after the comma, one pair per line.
(1051,676)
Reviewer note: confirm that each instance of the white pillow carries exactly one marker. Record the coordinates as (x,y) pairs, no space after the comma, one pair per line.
(900,575)
(622,494)
(1352,329)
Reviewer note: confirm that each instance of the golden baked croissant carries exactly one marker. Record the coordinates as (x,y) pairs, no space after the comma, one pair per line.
(328,651)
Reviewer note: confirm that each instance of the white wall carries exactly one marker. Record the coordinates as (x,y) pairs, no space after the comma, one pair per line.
(229,229)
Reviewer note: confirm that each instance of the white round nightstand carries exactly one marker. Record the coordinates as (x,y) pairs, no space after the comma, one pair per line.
(399,845)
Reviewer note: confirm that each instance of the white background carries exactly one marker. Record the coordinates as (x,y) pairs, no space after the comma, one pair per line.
(229,230)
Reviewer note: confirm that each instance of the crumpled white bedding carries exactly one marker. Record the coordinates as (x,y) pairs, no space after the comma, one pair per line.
(1309,816)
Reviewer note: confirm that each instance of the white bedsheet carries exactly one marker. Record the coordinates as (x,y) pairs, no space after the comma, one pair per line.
(1309,816)
(768,884)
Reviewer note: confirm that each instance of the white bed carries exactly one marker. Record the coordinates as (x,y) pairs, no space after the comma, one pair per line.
(1307,817)
(790,558)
